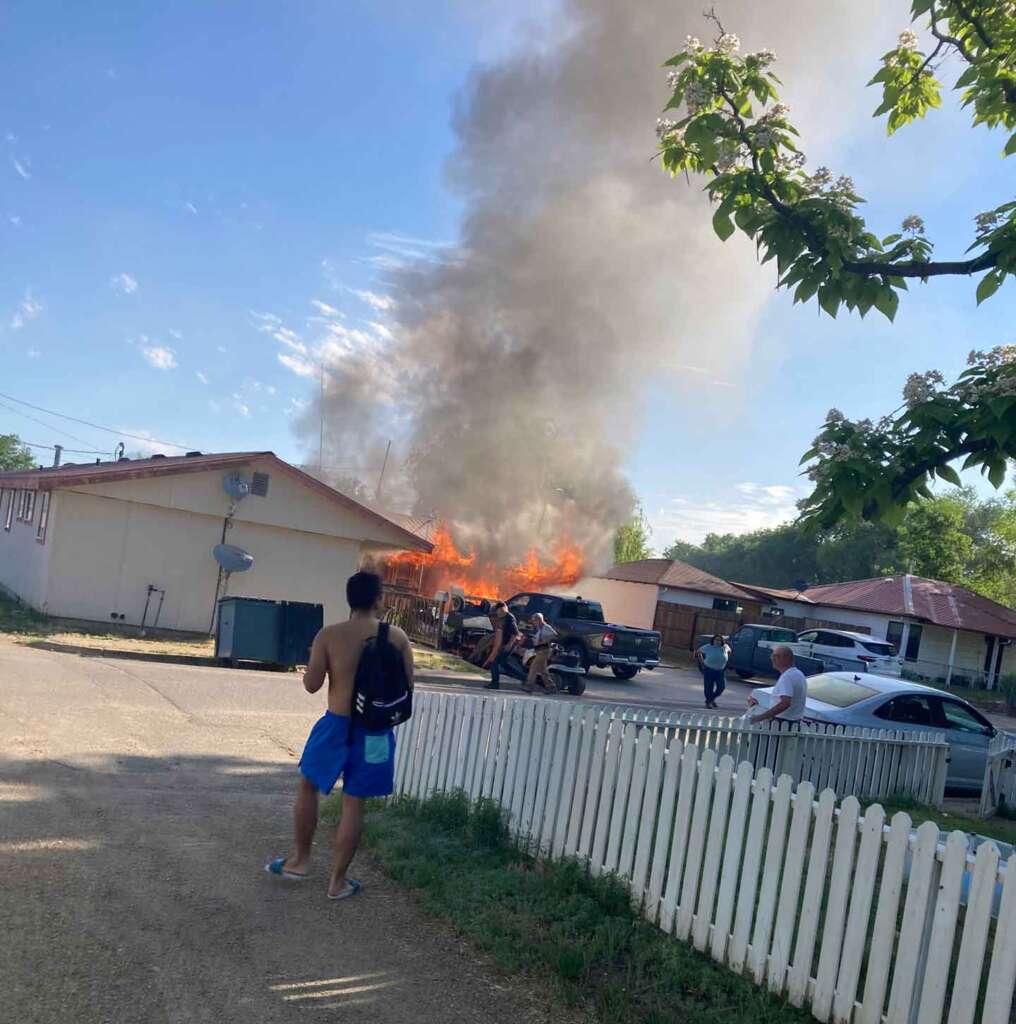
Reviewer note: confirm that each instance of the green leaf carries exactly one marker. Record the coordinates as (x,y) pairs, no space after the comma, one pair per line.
(887,303)
(950,474)
(829,300)
(1010,146)
(967,78)
(996,473)
(722,224)
(988,286)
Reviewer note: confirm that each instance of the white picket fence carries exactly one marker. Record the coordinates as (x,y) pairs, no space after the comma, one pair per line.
(999,775)
(802,896)
(866,763)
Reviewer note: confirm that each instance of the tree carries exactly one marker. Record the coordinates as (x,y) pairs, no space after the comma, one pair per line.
(737,133)
(931,542)
(631,541)
(13,454)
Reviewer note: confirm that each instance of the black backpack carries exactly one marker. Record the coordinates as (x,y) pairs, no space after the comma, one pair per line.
(381,694)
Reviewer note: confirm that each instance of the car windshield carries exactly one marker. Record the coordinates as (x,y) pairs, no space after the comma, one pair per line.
(783,636)
(887,650)
(837,691)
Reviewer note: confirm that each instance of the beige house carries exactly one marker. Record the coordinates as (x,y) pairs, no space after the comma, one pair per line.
(102,541)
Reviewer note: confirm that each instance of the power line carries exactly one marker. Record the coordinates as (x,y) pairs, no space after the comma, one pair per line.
(69,451)
(43,423)
(95,426)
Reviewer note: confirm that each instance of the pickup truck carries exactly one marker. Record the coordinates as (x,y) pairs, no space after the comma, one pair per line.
(466,630)
(582,630)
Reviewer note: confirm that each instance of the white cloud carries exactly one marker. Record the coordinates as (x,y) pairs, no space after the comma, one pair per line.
(381,331)
(221,348)
(160,357)
(290,339)
(701,371)
(323,307)
(29,309)
(299,365)
(33,353)
(382,303)
(190,208)
(756,507)
(15,220)
(148,446)
(201,377)
(125,284)
(239,405)
(176,334)
(21,168)
(11,137)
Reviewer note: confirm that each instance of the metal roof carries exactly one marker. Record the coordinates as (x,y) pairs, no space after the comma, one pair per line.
(666,572)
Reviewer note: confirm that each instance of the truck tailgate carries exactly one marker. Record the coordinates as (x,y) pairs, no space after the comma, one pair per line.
(638,645)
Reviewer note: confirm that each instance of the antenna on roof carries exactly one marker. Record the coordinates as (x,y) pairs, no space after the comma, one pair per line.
(118,453)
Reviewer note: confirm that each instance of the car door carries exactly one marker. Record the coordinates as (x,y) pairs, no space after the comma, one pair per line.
(967,733)
(806,643)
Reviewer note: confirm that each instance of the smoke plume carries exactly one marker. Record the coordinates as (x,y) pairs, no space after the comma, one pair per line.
(513,370)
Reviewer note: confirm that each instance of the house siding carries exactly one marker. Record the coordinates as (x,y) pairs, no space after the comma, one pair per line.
(627,604)
(24,562)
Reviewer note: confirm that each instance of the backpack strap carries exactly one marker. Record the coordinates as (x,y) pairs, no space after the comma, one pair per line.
(382,635)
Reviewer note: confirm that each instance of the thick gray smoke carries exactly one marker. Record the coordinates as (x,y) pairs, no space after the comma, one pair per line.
(518,363)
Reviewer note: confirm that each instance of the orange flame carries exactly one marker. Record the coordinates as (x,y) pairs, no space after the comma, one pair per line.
(446,567)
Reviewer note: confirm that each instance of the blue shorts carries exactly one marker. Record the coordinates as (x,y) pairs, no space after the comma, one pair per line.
(367,765)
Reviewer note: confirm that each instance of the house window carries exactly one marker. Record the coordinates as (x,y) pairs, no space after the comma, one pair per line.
(723,604)
(22,502)
(9,510)
(913,642)
(26,507)
(40,534)
(894,634)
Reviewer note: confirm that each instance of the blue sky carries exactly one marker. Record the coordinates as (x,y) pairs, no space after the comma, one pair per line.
(173,175)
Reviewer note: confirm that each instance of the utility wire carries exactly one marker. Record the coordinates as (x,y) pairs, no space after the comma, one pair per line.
(96,426)
(69,451)
(48,426)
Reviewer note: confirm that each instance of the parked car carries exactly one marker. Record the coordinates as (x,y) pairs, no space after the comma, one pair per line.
(852,652)
(877,702)
(751,650)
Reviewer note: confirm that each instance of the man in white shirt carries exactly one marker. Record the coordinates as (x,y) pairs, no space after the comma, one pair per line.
(790,691)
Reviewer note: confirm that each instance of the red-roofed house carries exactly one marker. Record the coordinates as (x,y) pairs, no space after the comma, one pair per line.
(946,632)
(101,541)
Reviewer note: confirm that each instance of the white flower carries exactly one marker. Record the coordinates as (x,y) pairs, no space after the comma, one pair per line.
(921,386)
(844,183)
(667,130)
(762,136)
(821,178)
(913,224)
(731,158)
(907,40)
(834,416)
(987,221)
(763,57)
(974,357)
(728,43)
(788,162)
(696,96)
(779,111)
(673,77)
(692,43)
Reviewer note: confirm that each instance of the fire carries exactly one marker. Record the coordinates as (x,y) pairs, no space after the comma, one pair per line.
(446,567)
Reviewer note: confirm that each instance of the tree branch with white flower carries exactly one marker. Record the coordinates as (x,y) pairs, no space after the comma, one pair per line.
(875,470)
(736,133)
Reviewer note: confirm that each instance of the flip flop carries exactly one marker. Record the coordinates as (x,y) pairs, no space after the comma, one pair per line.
(276,868)
(351,890)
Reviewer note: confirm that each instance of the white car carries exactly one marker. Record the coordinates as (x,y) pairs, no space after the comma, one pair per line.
(842,650)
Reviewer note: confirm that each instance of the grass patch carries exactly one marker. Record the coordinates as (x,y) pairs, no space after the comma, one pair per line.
(429,660)
(21,624)
(576,936)
(998,827)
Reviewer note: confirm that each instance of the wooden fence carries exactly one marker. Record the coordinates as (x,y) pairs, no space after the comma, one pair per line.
(871,763)
(420,617)
(858,919)
(999,775)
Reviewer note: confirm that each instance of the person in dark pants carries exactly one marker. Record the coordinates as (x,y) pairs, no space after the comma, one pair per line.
(713,658)
(506,635)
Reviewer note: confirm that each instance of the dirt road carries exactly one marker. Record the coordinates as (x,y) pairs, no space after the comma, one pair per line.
(138,803)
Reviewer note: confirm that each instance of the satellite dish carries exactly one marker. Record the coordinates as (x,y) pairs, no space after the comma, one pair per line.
(232,558)
(237,488)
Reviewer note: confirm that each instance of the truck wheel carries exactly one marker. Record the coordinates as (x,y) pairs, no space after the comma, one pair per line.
(625,671)
(580,652)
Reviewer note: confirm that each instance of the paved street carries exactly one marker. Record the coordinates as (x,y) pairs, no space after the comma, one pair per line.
(138,804)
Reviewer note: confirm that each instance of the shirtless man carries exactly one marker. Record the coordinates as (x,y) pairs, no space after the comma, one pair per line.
(366,762)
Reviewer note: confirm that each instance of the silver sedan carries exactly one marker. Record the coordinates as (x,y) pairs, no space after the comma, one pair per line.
(879,702)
